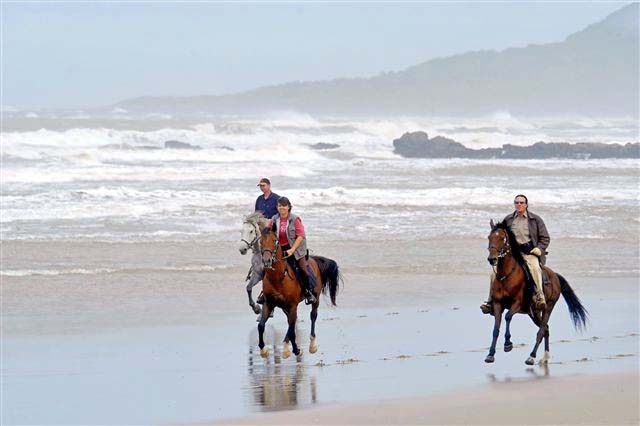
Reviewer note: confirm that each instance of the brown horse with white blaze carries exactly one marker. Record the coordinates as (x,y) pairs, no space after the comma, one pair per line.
(508,292)
(282,289)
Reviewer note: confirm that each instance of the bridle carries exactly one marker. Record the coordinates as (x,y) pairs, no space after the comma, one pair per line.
(504,251)
(506,248)
(251,245)
(273,258)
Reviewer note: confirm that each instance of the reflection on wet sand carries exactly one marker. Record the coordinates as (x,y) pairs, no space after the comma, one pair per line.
(534,373)
(277,383)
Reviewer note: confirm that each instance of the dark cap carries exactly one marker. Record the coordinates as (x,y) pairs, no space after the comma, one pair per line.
(264,180)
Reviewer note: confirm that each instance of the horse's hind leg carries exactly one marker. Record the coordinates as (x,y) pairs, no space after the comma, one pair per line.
(547,356)
(542,330)
(264,352)
(313,344)
(497,314)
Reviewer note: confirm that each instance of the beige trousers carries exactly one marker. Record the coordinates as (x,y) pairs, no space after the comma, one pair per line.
(534,267)
(536,271)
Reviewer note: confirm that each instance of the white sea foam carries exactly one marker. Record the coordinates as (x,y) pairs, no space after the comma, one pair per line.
(99,271)
(106,183)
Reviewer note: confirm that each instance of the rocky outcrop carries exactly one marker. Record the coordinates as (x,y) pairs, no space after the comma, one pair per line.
(180,145)
(127,147)
(320,146)
(418,145)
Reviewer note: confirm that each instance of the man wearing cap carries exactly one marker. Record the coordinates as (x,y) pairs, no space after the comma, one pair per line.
(267,203)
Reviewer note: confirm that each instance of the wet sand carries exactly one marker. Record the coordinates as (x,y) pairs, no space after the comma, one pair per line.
(149,344)
(595,399)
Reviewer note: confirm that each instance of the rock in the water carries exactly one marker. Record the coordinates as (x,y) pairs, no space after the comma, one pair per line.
(180,145)
(418,145)
(323,145)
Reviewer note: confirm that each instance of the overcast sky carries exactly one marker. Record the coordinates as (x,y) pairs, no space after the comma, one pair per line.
(64,54)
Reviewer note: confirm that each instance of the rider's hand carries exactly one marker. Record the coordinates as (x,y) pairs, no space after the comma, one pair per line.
(289,252)
(536,251)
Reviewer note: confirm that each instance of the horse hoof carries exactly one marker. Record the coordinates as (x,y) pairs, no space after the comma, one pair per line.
(264,352)
(286,352)
(299,356)
(507,348)
(545,359)
(257,309)
(489,359)
(530,361)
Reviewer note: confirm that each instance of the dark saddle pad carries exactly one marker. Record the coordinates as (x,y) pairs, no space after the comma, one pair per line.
(296,269)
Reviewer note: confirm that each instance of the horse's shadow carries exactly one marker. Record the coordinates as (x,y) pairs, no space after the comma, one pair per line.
(276,383)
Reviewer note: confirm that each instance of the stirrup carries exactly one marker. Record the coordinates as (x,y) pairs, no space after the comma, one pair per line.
(310,299)
(260,299)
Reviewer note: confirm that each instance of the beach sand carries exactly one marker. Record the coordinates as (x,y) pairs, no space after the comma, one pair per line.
(152,339)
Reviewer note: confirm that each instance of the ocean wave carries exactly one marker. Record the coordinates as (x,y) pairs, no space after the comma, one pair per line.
(134,203)
(100,271)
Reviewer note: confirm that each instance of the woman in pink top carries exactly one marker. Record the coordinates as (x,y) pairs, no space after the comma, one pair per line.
(290,231)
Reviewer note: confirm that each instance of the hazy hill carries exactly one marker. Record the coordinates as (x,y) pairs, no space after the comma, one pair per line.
(594,71)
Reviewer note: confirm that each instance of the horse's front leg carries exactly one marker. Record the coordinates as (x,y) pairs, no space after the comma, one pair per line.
(255,276)
(313,344)
(292,316)
(508,345)
(542,330)
(264,352)
(497,314)
(255,279)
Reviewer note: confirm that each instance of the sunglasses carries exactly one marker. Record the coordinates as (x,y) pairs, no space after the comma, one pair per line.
(519,202)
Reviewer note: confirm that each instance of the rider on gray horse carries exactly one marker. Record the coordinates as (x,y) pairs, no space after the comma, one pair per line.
(265,207)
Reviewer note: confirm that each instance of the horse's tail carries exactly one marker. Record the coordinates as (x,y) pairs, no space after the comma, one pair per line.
(578,312)
(330,275)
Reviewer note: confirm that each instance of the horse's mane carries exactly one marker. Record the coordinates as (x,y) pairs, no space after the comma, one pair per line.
(515,247)
(257,217)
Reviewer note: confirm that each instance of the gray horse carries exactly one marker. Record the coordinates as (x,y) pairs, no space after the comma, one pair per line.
(251,231)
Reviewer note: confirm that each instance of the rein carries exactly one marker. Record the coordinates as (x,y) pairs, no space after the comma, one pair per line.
(274,259)
(274,256)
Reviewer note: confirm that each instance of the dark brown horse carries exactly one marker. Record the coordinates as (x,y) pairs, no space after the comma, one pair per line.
(282,289)
(508,291)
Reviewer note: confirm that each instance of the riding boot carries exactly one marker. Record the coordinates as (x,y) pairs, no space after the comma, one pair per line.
(487,307)
(539,300)
(310,285)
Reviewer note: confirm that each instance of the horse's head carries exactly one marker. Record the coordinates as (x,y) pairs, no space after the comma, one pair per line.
(249,237)
(269,248)
(251,228)
(498,243)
